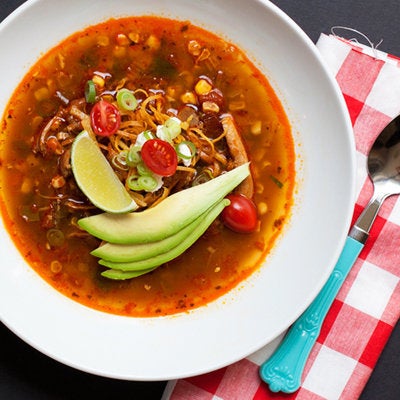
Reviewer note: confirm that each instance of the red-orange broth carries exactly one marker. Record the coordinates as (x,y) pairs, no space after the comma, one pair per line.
(162,55)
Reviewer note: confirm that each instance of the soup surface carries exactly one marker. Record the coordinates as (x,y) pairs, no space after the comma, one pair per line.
(177,72)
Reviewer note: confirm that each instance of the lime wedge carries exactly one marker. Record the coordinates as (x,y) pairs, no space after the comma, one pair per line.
(96,178)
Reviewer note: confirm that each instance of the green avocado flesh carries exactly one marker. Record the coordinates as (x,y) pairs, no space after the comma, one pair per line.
(167,218)
(140,251)
(122,275)
(158,259)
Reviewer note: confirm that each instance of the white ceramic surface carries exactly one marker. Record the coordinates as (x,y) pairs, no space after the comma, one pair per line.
(244,320)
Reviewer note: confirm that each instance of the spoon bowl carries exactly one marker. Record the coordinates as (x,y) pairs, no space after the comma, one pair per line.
(384,170)
(384,159)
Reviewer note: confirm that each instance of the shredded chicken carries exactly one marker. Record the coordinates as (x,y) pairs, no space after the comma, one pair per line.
(218,144)
(238,151)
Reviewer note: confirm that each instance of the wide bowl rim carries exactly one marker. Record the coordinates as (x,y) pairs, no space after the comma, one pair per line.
(192,320)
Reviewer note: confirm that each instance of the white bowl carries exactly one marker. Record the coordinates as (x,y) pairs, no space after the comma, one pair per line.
(244,320)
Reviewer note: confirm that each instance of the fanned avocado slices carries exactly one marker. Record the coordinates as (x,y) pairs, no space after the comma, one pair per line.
(158,259)
(168,217)
(139,242)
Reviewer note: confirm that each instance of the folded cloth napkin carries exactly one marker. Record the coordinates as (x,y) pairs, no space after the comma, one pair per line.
(367,307)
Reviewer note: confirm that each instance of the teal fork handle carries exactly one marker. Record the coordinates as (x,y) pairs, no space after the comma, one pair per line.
(283,370)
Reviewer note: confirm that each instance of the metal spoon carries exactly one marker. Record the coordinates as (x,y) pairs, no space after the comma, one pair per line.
(283,370)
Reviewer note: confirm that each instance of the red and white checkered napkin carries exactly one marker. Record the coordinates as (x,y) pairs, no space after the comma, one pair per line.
(368,305)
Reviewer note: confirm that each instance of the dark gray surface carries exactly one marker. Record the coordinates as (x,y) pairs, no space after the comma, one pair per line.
(27,374)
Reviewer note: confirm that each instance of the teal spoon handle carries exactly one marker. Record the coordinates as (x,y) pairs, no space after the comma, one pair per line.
(283,371)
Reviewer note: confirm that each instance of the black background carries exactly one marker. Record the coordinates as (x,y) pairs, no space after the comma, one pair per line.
(27,374)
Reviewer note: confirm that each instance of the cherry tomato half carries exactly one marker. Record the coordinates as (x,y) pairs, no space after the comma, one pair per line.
(160,157)
(105,118)
(241,215)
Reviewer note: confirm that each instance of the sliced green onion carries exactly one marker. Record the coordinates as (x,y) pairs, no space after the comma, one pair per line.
(133,183)
(205,176)
(143,137)
(163,133)
(276,181)
(90,92)
(133,157)
(173,127)
(148,183)
(143,170)
(126,99)
(148,135)
(119,160)
(55,237)
(185,147)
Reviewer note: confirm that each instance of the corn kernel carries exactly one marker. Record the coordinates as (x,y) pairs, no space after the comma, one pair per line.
(134,37)
(210,106)
(85,41)
(98,81)
(189,97)
(172,91)
(58,182)
(255,128)
(26,186)
(202,87)
(119,51)
(103,41)
(153,42)
(194,48)
(262,208)
(123,40)
(42,94)
(185,125)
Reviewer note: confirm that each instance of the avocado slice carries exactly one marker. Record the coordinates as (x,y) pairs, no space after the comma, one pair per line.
(169,255)
(168,217)
(122,275)
(140,251)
